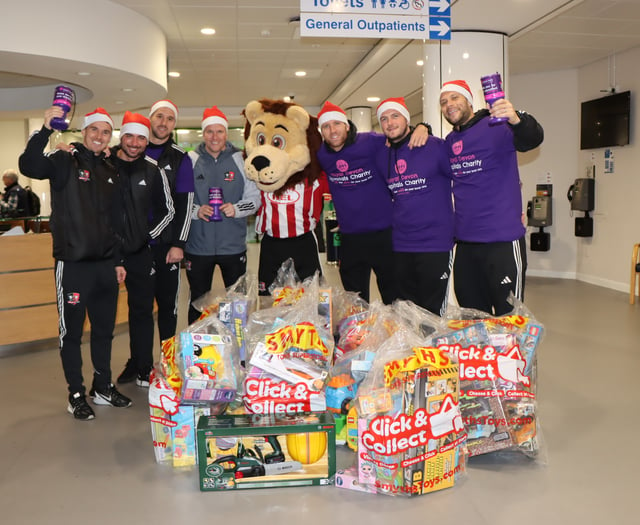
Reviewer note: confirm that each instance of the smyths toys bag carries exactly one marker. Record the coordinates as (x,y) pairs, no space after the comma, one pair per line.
(411,439)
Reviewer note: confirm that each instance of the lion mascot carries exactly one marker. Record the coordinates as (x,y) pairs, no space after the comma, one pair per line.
(281,141)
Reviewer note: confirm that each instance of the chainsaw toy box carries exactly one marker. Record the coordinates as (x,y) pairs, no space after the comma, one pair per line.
(250,451)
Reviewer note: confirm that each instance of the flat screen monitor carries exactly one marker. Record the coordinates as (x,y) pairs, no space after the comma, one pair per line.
(604,122)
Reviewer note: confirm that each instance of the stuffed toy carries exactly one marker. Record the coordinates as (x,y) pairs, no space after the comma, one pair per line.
(281,142)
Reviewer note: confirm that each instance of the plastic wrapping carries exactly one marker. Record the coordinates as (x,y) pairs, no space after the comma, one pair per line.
(498,372)
(210,363)
(290,352)
(411,438)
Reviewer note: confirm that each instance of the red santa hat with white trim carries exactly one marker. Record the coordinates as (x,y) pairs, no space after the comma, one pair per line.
(164,104)
(213,115)
(331,112)
(135,124)
(98,115)
(459,86)
(396,103)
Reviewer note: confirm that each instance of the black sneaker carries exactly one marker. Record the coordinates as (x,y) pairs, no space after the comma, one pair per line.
(79,407)
(142,380)
(129,373)
(110,396)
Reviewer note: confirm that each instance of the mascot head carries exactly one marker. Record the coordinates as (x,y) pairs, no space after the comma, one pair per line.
(281,141)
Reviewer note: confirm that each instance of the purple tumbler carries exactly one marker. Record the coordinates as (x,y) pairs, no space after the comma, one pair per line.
(215,201)
(65,98)
(492,88)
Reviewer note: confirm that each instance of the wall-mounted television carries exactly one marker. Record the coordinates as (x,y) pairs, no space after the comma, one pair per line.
(604,122)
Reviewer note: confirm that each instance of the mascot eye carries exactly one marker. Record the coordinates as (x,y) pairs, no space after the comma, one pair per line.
(278,142)
(261,139)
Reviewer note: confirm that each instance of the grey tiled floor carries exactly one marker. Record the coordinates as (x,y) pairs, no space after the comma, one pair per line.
(55,470)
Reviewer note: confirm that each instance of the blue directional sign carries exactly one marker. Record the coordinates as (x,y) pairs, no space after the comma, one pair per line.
(422,19)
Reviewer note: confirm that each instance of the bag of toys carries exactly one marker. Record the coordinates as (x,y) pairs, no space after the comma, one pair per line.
(411,439)
(497,357)
(290,352)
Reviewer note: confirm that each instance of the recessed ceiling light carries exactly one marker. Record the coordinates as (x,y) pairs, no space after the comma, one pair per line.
(174,74)
(265,33)
(465,55)
(420,63)
(301,73)
(286,98)
(373,99)
(128,90)
(119,101)
(84,73)
(208,31)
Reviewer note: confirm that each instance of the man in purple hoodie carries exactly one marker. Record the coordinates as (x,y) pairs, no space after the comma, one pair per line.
(491,259)
(422,213)
(362,201)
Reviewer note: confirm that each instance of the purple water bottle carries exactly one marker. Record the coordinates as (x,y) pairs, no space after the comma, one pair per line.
(215,201)
(492,88)
(63,97)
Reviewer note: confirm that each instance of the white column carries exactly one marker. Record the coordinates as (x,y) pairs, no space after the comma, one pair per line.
(360,116)
(468,56)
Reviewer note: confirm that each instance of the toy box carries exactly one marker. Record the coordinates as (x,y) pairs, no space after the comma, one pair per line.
(253,451)
(173,427)
(234,314)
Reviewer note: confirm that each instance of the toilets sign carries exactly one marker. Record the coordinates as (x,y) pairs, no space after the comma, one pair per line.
(411,19)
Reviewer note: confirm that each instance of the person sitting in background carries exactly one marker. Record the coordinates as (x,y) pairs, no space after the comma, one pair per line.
(14,201)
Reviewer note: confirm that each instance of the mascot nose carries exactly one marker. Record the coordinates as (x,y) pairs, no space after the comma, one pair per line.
(260,162)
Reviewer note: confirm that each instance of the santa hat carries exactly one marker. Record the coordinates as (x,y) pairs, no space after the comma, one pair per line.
(98,115)
(213,115)
(459,86)
(135,124)
(164,104)
(396,103)
(331,112)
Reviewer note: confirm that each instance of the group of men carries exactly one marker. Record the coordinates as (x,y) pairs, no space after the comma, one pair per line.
(402,206)
(131,214)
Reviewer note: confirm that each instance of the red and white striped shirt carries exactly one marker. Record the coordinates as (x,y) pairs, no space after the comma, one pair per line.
(293,213)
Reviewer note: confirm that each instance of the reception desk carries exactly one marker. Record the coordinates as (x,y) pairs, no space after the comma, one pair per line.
(28,311)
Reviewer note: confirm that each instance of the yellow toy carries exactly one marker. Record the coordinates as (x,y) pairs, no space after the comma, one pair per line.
(307,448)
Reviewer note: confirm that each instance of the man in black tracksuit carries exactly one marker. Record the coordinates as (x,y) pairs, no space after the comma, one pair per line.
(148,209)
(88,266)
(168,249)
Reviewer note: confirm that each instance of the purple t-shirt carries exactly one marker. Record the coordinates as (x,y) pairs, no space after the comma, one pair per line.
(420,181)
(359,192)
(486,183)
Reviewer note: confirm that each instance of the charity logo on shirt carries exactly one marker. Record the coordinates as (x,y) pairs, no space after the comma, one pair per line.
(346,177)
(342,165)
(229,176)
(405,182)
(457,147)
(84,175)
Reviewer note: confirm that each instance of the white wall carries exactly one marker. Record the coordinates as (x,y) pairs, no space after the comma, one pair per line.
(554,99)
(551,99)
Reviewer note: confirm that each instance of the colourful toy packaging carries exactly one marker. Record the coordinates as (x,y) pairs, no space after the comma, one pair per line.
(411,438)
(210,363)
(498,376)
(289,360)
(266,450)
(173,426)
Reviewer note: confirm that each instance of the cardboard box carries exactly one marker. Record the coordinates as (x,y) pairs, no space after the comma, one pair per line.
(266,450)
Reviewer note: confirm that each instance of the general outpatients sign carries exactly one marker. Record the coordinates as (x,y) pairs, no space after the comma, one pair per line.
(419,19)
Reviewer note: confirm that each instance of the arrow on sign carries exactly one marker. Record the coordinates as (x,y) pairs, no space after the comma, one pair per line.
(440,5)
(441,29)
